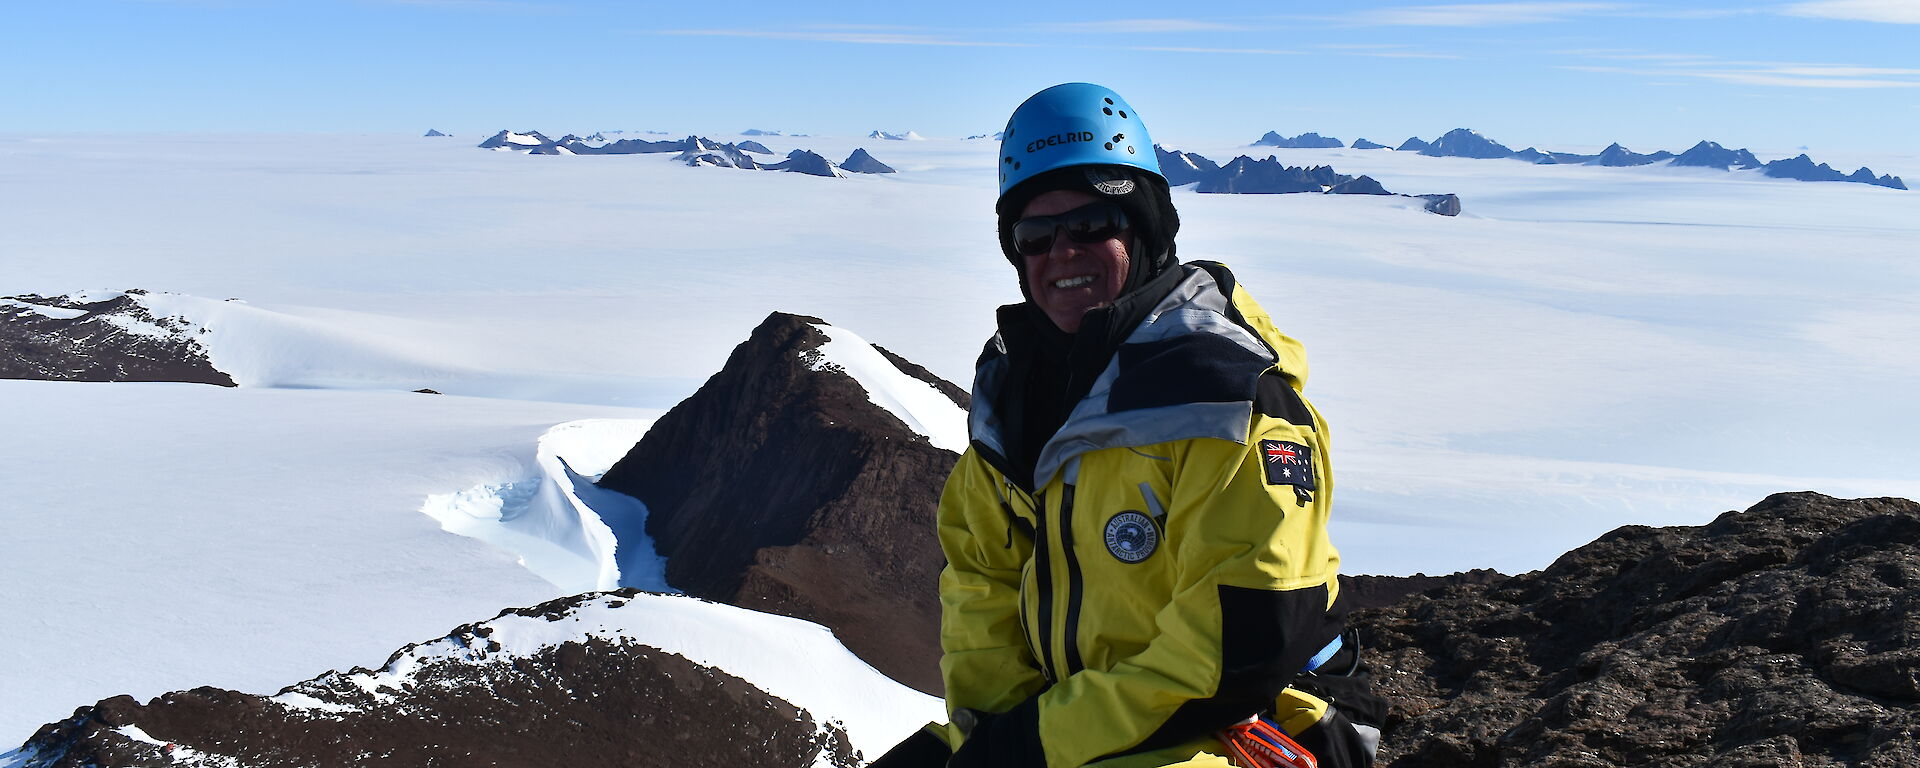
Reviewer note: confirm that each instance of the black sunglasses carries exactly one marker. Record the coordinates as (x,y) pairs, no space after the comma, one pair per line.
(1091,223)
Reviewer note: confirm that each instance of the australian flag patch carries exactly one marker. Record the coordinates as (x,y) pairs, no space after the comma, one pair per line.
(1288,464)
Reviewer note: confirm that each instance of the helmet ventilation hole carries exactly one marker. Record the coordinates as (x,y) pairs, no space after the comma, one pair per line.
(1109,145)
(1108,110)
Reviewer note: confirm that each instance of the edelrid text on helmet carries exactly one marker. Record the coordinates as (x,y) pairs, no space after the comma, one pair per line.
(1058,139)
(1073,124)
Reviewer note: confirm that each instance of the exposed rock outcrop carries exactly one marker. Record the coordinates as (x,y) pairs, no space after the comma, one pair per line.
(861,162)
(1366,591)
(492,693)
(1803,168)
(1461,142)
(523,141)
(1363,185)
(1708,154)
(1785,635)
(1445,205)
(1183,167)
(1364,144)
(1616,156)
(1244,175)
(1302,141)
(810,163)
(1247,176)
(692,150)
(784,488)
(99,337)
(701,151)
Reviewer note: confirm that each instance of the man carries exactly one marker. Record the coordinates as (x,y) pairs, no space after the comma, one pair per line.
(1136,537)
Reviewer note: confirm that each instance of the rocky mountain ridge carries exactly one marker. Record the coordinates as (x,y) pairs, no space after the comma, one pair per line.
(1787,635)
(692,150)
(1245,175)
(578,680)
(782,487)
(1462,142)
(100,336)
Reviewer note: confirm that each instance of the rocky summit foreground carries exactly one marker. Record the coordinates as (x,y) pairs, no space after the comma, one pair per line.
(782,487)
(559,684)
(1786,635)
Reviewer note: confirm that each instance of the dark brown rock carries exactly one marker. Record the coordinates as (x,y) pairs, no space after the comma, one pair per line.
(784,489)
(1366,591)
(1786,635)
(592,702)
(96,345)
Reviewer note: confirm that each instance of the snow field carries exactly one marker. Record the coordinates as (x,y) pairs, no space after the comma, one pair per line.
(796,660)
(165,536)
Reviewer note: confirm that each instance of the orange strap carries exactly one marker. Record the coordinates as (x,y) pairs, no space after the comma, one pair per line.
(1258,743)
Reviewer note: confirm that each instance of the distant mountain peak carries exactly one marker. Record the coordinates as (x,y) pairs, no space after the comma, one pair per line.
(1303,141)
(861,162)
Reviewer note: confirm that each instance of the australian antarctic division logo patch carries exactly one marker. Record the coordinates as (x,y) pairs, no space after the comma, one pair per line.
(1288,464)
(1132,537)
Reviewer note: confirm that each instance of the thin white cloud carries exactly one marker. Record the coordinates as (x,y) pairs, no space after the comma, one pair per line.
(1883,11)
(852,35)
(1671,59)
(1407,55)
(1195,49)
(1480,14)
(1139,26)
(1786,74)
(1842,71)
(1786,77)
(1382,51)
(497,5)
(1701,13)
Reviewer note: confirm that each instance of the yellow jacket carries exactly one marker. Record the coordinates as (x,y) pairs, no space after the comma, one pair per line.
(1170,571)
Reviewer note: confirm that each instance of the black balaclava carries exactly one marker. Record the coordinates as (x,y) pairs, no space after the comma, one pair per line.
(1055,368)
(1142,195)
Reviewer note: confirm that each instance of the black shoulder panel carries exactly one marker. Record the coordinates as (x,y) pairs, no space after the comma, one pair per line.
(1276,398)
(1190,368)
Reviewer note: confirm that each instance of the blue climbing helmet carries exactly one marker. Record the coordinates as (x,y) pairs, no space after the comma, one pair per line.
(1073,124)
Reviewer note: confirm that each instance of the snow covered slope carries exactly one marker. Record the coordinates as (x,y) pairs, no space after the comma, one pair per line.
(163,536)
(560,525)
(920,406)
(641,677)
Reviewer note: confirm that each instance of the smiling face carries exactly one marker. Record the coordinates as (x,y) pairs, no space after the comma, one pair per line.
(1072,278)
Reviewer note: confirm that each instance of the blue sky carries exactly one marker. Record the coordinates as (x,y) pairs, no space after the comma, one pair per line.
(1840,74)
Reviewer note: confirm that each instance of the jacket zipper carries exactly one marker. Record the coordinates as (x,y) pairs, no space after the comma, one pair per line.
(1071,635)
(1043,570)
